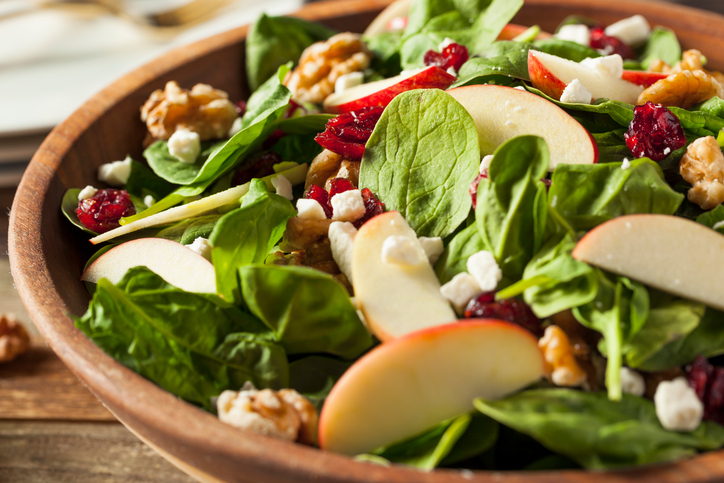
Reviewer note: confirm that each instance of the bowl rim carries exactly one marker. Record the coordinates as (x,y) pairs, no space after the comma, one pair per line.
(142,402)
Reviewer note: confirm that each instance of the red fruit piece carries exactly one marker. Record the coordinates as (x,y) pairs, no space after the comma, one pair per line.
(103,210)
(654,132)
(348,133)
(473,189)
(340,185)
(240,108)
(373,207)
(321,196)
(609,45)
(454,55)
(708,383)
(512,310)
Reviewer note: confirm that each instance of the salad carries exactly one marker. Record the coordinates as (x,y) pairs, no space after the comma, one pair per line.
(448,242)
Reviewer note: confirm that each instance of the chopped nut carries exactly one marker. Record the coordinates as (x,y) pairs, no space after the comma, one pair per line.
(14,340)
(303,233)
(284,414)
(659,65)
(348,170)
(322,63)
(203,110)
(560,360)
(691,60)
(683,89)
(323,166)
(703,167)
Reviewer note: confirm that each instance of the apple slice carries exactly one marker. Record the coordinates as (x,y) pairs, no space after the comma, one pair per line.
(380,93)
(669,253)
(512,30)
(641,78)
(395,299)
(501,113)
(177,264)
(551,74)
(409,385)
(383,22)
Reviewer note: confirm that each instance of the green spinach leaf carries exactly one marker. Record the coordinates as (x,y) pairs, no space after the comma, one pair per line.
(661,44)
(189,230)
(455,257)
(713,219)
(169,168)
(566,49)
(314,376)
(144,182)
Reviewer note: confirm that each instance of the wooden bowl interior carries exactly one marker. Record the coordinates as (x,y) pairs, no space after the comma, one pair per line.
(47,255)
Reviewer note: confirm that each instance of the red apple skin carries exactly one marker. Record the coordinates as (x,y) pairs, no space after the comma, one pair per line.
(512,30)
(431,333)
(645,79)
(543,80)
(432,77)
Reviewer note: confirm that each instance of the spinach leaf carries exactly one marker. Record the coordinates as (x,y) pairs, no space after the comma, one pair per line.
(714,106)
(611,146)
(502,59)
(386,49)
(274,41)
(661,44)
(169,168)
(480,436)
(189,230)
(511,208)
(308,310)
(713,219)
(297,147)
(698,123)
(455,257)
(587,195)
(192,345)
(246,235)
(308,124)
(314,376)
(142,182)
(270,97)
(420,158)
(596,432)
(566,49)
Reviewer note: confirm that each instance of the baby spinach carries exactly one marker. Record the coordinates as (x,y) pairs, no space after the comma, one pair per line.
(455,257)
(308,124)
(596,432)
(68,206)
(246,235)
(566,49)
(193,345)
(297,147)
(420,158)
(308,310)
(713,218)
(511,208)
(661,44)
(189,230)
(169,168)
(274,41)
(313,376)
(144,182)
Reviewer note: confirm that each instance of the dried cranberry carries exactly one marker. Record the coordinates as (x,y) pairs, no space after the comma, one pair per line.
(240,108)
(654,132)
(275,136)
(373,207)
(473,189)
(348,133)
(511,310)
(708,383)
(293,107)
(609,45)
(454,55)
(321,196)
(257,167)
(102,212)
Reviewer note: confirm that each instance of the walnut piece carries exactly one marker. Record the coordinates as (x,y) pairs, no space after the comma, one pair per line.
(285,414)
(703,167)
(14,339)
(691,60)
(560,359)
(322,63)
(683,89)
(203,110)
(328,166)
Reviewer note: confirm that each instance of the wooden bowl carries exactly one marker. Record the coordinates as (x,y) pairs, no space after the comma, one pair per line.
(47,255)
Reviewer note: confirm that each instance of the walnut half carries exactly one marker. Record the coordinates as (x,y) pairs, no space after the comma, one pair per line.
(703,167)
(14,340)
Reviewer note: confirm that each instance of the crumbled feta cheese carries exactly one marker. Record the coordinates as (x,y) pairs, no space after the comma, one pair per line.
(632,382)
(400,250)
(348,206)
(185,146)
(448,41)
(341,240)
(283,186)
(575,93)
(521,88)
(667,151)
(625,164)
(677,406)
(460,290)
(235,127)
(632,31)
(309,209)
(485,163)
(347,81)
(485,270)
(115,173)
(452,71)
(149,200)
(201,246)
(432,246)
(87,192)
(609,65)
(577,33)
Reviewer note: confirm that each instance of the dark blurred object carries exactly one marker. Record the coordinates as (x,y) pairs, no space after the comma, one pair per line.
(713,5)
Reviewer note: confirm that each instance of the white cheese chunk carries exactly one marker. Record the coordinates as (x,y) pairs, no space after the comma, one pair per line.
(235,127)
(348,206)
(625,164)
(632,31)
(577,33)
(432,246)
(445,43)
(609,65)
(341,240)
(201,246)
(400,250)
(485,270)
(632,382)
(575,93)
(115,173)
(347,81)
(185,146)
(460,290)
(149,200)
(677,406)
(283,186)
(87,192)
(309,209)
(485,163)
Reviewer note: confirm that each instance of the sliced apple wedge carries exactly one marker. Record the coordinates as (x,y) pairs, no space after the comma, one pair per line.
(386,20)
(396,299)
(501,113)
(641,78)
(551,74)
(409,385)
(380,93)
(177,264)
(512,30)
(670,253)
